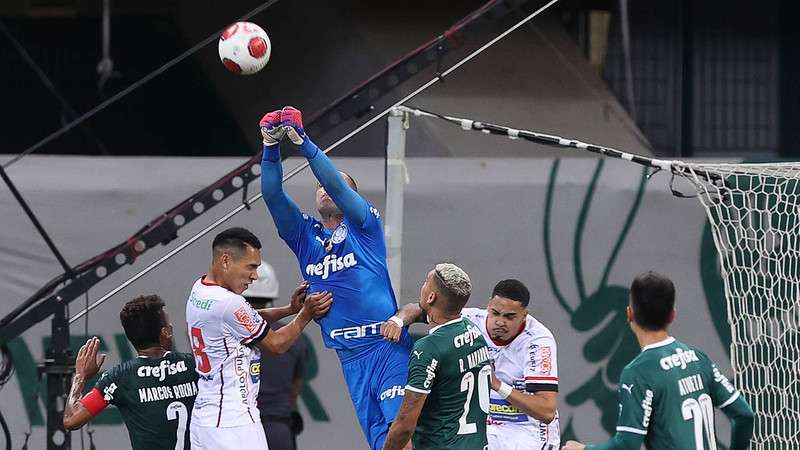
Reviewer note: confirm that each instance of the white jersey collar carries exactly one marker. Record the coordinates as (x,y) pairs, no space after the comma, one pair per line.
(444,325)
(667,341)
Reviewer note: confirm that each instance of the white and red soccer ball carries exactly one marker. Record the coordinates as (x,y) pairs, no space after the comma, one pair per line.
(244,48)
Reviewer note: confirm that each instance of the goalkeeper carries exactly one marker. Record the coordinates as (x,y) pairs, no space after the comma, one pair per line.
(343,253)
(669,391)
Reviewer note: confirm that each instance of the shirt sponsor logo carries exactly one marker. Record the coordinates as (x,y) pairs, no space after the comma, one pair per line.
(108,392)
(468,337)
(647,407)
(200,303)
(723,380)
(374,212)
(255,371)
(679,359)
(393,392)
(547,360)
(162,370)
(501,411)
(357,331)
(431,373)
(243,316)
(330,264)
(242,370)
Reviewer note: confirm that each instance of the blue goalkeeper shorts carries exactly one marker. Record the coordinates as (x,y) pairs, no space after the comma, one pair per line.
(376,379)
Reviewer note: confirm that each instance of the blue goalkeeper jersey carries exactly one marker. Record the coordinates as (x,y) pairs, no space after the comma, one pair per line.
(348,261)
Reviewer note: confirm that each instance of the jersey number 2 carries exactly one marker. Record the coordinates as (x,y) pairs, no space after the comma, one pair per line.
(198,348)
(468,384)
(701,411)
(177,410)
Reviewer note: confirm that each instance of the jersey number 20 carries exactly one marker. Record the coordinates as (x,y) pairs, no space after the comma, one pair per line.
(468,384)
(701,412)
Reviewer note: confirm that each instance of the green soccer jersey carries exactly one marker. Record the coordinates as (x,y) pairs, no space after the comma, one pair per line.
(668,394)
(155,397)
(452,365)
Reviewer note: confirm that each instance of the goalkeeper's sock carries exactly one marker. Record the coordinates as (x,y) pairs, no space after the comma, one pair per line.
(308,148)
(271,153)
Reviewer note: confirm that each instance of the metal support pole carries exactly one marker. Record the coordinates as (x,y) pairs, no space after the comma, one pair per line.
(58,369)
(396,179)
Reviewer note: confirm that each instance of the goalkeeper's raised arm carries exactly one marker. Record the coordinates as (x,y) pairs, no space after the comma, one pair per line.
(285,213)
(342,194)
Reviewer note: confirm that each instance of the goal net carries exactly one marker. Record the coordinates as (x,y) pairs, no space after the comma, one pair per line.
(754,210)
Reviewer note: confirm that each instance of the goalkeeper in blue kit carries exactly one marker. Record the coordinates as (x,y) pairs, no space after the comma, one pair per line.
(344,253)
(669,391)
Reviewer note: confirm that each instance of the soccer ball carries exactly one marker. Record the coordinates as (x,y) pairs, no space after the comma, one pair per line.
(244,48)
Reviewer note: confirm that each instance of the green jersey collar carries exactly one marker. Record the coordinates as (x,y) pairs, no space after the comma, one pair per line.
(445,324)
(667,341)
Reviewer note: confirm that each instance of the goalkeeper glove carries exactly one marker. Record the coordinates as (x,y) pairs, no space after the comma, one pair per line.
(271,130)
(292,121)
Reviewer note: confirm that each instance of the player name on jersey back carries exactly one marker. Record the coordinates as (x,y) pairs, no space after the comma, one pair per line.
(155,397)
(683,385)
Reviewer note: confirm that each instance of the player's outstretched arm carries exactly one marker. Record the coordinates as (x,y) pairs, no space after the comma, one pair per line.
(540,405)
(283,210)
(353,206)
(87,364)
(279,341)
(406,421)
(741,416)
(392,328)
(272,315)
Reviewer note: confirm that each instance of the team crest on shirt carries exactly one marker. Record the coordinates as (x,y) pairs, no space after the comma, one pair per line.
(339,234)
(243,317)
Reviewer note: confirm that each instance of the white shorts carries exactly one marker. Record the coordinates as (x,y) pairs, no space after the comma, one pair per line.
(250,436)
(509,436)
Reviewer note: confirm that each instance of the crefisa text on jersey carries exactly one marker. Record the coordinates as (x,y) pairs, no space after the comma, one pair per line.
(162,370)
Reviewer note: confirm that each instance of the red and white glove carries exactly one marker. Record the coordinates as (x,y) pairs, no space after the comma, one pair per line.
(271,129)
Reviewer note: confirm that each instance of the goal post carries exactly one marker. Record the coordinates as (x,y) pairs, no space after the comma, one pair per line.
(754,212)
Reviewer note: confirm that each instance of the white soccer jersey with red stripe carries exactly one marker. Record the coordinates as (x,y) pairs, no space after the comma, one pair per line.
(528,364)
(221,325)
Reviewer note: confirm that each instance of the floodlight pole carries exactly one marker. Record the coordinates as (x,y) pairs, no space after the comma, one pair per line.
(396,179)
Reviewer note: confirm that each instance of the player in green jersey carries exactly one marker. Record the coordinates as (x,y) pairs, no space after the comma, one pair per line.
(154,392)
(669,391)
(447,396)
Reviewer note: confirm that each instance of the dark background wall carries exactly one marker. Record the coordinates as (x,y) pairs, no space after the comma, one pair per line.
(711,77)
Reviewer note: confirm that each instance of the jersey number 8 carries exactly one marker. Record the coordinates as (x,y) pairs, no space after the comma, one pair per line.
(198,349)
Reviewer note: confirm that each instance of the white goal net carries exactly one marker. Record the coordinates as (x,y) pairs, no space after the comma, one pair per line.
(754,210)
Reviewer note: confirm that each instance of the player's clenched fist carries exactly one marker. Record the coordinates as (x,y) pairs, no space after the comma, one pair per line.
(317,305)
(271,130)
(391,330)
(573,445)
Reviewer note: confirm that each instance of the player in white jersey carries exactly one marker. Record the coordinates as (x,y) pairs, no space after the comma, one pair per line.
(522,405)
(227,336)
